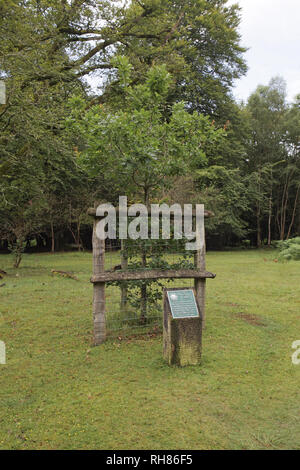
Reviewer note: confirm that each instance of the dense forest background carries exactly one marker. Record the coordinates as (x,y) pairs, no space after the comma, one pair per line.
(109,98)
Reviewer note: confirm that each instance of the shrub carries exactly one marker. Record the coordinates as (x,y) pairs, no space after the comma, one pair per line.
(289,249)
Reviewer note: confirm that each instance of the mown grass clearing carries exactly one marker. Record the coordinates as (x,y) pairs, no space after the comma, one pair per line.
(59,392)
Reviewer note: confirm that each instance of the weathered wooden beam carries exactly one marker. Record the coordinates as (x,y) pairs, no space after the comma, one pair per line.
(200,263)
(107,276)
(64,274)
(124,266)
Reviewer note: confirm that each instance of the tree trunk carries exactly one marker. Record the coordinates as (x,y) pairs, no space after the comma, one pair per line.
(18,259)
(284,203)
(294,213)
(18,252)
(52,238)
(258,212)
(143,294)
(270,220)
(78,235)
(258,229)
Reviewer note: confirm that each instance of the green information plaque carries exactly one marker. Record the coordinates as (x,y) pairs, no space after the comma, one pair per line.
(183,303)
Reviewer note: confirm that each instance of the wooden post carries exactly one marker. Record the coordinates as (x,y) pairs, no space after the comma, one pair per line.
(200,263)
(99,289)
(143,317)
(124,266)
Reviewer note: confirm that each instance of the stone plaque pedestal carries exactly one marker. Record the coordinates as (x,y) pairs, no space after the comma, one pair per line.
(182,328)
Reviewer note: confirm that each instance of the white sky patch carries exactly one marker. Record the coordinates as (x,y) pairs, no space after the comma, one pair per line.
(271,29)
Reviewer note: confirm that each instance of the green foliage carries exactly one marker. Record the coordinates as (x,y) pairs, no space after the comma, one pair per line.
(199,42)
(152,254)
(137,147)
(226,193)
(273,160)
(39,175)
(149,58)
(289,249)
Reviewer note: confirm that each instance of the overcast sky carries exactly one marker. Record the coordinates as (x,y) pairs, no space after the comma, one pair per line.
(271,29)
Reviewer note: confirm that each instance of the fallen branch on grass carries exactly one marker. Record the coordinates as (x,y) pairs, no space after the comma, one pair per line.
(64,274)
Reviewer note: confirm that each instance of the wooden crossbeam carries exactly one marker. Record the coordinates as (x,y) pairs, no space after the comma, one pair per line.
(107,276)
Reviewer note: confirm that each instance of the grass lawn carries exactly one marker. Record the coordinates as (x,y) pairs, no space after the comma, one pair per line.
(59,392)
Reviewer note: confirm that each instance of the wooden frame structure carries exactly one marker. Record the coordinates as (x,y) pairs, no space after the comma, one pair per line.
(100,277)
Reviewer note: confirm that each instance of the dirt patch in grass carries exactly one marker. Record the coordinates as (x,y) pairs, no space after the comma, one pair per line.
(250,318)
(128,337)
